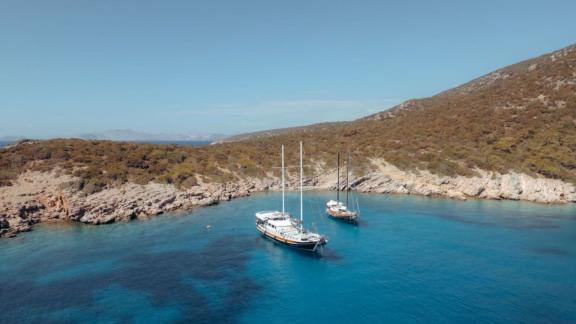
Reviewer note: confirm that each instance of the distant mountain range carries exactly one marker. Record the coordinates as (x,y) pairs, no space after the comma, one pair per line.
(131,135)
(134,136)
(11,138)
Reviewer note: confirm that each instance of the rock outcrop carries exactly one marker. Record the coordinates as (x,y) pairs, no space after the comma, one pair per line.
(512,186)
(487,185)
(47,201)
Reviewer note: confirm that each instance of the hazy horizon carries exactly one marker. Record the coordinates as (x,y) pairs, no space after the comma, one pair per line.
(217,67)
(127,135)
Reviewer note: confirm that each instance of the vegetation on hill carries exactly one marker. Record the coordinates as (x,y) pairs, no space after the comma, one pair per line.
(106,163)
(520,118)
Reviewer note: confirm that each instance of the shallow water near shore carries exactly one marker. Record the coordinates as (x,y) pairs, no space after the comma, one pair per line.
(410,259)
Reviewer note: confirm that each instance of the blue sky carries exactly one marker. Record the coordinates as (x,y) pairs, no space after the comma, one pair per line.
(197,67)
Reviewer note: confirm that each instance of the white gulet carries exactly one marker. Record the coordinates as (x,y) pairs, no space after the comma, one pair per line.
(282,228)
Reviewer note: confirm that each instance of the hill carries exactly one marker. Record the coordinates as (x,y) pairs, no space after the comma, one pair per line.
(520,118)
(280,131)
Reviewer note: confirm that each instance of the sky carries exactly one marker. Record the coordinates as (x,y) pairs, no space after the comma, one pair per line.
(201,67)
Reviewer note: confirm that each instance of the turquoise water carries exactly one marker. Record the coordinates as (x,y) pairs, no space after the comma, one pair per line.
(410,259)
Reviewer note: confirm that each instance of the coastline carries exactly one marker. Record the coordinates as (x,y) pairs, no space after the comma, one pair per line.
(44,197)
(41,197)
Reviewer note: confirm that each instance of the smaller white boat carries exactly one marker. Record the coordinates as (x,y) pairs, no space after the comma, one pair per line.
(335,208)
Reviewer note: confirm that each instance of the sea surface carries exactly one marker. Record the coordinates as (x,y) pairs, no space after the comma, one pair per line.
(410,259)
(5,143)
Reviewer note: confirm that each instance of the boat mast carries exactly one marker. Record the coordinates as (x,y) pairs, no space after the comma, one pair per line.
(282,179)
(338,177)
(347,183)
(301,185)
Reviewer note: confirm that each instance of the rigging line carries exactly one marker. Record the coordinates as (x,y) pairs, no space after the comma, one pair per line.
(338,176)
(314,218)
(293,166)
(347,180)
(283,181)
(301,185)
(320,213)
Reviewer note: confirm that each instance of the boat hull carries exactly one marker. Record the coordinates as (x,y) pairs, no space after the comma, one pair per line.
(344,216)
(305,246)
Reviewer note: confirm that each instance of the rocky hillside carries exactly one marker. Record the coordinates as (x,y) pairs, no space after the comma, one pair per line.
(520,118)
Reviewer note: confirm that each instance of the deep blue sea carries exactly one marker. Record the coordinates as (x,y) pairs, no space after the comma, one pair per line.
(411,259)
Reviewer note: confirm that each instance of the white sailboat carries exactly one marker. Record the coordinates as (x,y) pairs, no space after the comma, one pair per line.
(282,228)
(336,208)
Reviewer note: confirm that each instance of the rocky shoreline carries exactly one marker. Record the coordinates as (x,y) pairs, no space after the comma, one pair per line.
(486,185)
(38,197)
(42,197)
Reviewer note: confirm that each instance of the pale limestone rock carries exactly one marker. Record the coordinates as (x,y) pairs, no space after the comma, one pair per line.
(38,197)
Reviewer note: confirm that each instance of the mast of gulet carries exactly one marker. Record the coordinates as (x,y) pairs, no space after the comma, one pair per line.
(301,188)
(347,183)
(282,179)
(338,177)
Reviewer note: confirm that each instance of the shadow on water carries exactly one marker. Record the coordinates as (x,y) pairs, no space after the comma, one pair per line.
(157,276)
(323,253)
(550,251)
(502,221)
(329,254)
(358,223)
(361,222)
(552,216)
